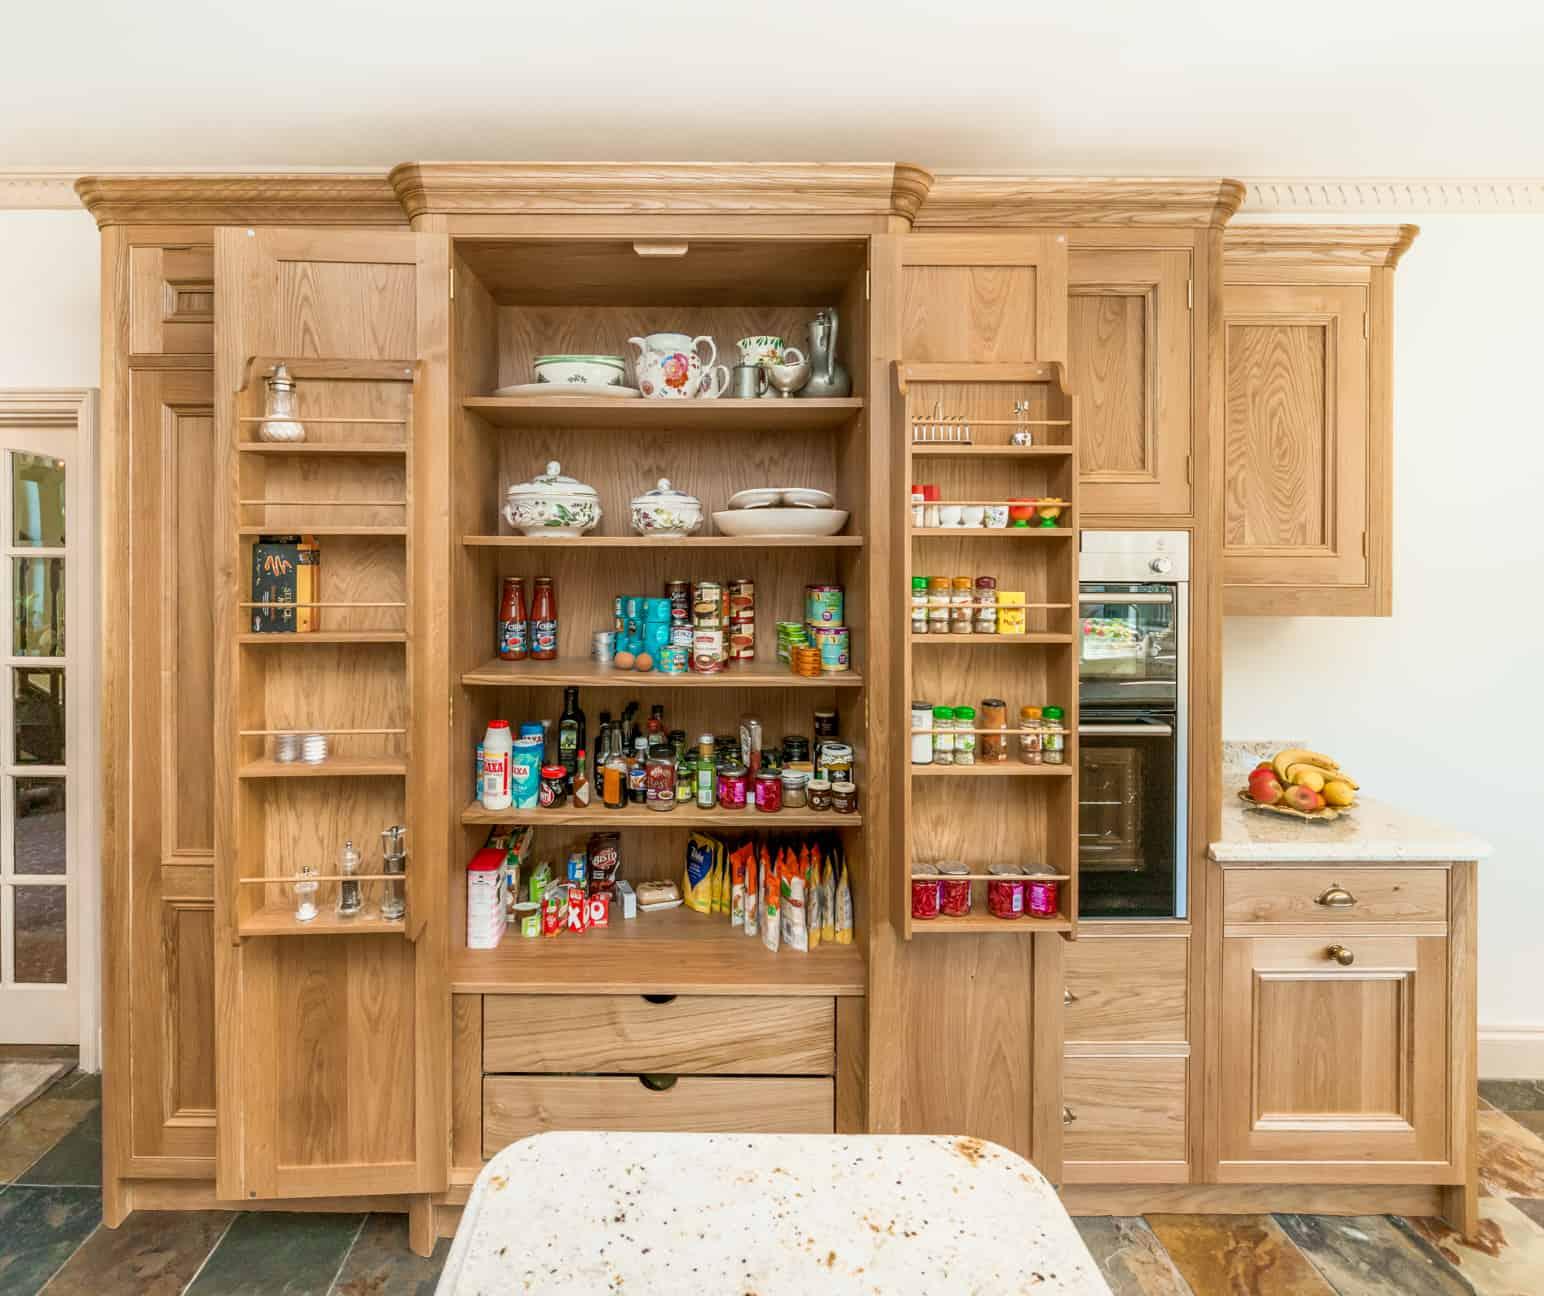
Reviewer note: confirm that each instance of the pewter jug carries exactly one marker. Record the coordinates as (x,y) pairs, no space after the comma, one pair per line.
(828,378)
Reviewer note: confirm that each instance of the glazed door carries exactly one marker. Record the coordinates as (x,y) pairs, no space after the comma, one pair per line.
(1334,1058)
(1128,331)
(332,1033)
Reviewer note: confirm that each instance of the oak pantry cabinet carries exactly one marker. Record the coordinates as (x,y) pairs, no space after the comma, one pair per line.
(352,1065)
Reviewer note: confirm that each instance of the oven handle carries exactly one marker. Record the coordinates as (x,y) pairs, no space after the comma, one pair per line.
(1147,729)
(1108,597)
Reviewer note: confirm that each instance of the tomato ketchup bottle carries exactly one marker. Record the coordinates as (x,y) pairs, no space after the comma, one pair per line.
(513,644)
(544,620)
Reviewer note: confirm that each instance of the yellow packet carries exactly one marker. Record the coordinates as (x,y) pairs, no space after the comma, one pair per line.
(703,854)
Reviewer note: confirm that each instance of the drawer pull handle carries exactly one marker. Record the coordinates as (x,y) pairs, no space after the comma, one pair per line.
(658,1083)
(1067,1116)
(1336,897)
(1342,955)
(1068,997)
(659,999)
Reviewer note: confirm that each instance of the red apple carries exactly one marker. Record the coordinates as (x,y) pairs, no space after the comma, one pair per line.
(1266,765)
(1264,787)
(1301,797)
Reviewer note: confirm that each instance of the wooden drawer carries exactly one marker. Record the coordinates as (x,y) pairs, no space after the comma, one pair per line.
(171,300)
(1304,895)
(515,1106)
(686,1034)
(1126,988)
(1123,1109)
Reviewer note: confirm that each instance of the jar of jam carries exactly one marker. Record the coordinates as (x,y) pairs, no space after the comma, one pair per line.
(769,792)
(825,724)
(820,794)
(659,781)
(925,891)
(844,798)
(553,791)
(1005,891)
(796,747)
(954,890)
(795,789)
(1042,896)
(733,783)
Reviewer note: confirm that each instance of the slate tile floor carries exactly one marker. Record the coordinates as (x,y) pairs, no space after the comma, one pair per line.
(51,1239)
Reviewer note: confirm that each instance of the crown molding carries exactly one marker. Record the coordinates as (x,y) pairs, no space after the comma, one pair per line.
(877,189)
(38,191)
(962,201)
(242,198)
(1319,245)
(1393,195)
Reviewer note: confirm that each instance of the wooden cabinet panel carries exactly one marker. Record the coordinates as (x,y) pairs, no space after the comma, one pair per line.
(171,300)
(1128,335)
(516,1106)
(1121,1110)
(1347,895)
(1333,1071)
(1128,988)
(701,1035)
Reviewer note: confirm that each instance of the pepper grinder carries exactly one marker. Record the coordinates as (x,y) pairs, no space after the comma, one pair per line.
(393,904)
(350,896)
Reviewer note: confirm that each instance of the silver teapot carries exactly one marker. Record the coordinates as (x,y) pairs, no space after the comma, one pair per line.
(827,377)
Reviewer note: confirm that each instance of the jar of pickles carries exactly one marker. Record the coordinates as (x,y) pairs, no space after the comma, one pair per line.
(965,735)
(1029,735)
(1005,891)
(943,735)
(925,891)
(1053,741)
(733,784)
(954,890)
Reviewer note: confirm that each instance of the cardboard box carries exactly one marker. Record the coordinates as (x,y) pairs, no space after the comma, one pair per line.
(286,569)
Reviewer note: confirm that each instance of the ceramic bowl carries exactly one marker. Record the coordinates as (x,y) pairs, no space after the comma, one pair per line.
(581,370)
(666,513)
(805,497)
(758,497)
(780,521)
(552,504)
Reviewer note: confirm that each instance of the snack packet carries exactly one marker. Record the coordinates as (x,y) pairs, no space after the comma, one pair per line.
(843,907)
(828,902)
(809,860)
(739,858)
(752,889)
(792,913)
(702,859)
(720,884)
(605,862)
(771,903)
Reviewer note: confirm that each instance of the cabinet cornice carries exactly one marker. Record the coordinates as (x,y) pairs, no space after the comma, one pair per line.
(256,198)
(1001,200)
(1317,245)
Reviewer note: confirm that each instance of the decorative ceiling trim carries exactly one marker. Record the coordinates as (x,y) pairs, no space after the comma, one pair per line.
(1393,195)
(37,191)
(963,201)
(1347,245)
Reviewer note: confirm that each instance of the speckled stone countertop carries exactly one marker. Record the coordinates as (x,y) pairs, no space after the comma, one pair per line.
(764,1213)
(1373,830)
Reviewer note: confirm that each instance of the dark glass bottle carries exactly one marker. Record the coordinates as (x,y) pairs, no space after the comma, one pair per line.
(571,732)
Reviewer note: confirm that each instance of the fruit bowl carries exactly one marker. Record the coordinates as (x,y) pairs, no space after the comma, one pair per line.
(1329,812)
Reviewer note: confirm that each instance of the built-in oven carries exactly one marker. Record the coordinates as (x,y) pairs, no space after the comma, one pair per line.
(1133,623)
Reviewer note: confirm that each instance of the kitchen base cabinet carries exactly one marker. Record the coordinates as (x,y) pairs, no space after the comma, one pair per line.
(1124,1119)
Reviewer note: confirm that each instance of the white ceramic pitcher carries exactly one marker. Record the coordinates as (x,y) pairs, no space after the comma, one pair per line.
(669,367)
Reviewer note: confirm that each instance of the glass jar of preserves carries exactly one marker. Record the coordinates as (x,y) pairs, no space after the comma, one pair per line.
(733,784)
(795,789)
(943,735)
(1042,895)
(553,790)
(954,890)
(820,794)
(1005,891)
(1029,735)
(965,735)
(1053,742)
(844,798)
(769,792)
(925,891)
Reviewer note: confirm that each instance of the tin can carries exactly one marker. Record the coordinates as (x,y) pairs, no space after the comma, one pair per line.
(673,660)
(707,651)
(742,597)
(769,792)
(528,916)
(733,783)
(681,636)
(1005,891)
(1042,896)
(924,892)
(790,635)
(833,644)
(679,593)
(742,640)
(618,621)
(823,605)
(708,605)
(659,777)
(604,648)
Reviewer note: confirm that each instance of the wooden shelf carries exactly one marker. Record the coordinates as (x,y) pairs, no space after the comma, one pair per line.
(978,923)
(326,529)
(683,816)
(279,920)
(313,637)
(585,672)
(990,640)
(989,877)
(332,767)
(612,414)
(670,951)
(1005,769)
(315,448)
(945,449)
(992,533)
(638,543)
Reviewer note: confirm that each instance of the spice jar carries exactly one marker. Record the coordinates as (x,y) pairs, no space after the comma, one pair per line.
(954,890)
(553,791)
(938,589)
(820,794)
(943,735)
(659,781)
(1042,895)
(961,596)
(769,792)
(844,798)
(925,891)
(993,746)
(1053,743)
(921,733)
(964,735)
(795,789)
(919,605)
(986,605)
(1029,735)
(1005,891)
(733,781)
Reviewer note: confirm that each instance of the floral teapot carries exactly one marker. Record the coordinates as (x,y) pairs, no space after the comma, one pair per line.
(669,367)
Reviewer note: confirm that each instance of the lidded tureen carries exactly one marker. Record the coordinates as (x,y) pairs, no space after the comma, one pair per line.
(666,512)
(552,504)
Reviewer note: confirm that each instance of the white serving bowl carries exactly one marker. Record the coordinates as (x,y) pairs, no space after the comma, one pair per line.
(581,370)
(780,521)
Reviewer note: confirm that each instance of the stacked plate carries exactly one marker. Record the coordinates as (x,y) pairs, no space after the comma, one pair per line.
(781,511)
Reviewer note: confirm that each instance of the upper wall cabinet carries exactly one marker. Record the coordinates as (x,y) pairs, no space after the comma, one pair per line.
(1308,447)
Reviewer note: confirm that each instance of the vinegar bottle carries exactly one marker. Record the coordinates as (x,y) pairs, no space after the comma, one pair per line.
(544,620)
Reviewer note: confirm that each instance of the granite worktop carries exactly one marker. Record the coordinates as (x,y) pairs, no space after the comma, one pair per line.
(1372,830)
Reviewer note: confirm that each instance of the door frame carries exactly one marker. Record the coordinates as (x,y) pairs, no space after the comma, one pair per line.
(72,412)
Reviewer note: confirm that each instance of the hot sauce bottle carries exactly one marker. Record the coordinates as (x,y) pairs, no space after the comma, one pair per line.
(544,620)
(512,644)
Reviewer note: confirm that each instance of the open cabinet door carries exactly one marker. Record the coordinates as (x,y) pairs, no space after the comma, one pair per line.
(331,1034)
(970,347)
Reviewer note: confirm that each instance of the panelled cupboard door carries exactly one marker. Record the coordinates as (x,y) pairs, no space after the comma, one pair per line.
(1128,334)
(332,1049)
(1332,1071)
(1298,446)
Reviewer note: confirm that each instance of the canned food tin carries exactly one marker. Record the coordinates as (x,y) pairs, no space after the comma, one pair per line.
(833,644)
(742,598)
(708,604)
(605,645)
(528,916)
(823,605)
(673,660)
(707,651)
(679,593)
(660,783)
(742,641)
(1042,896)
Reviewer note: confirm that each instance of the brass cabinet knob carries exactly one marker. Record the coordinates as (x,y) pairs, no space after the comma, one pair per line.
(1342,955)
(1336,897)
(1067,1116)
(1068,997)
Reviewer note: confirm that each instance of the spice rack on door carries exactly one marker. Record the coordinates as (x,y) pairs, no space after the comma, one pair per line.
(1002,812)
(352,489)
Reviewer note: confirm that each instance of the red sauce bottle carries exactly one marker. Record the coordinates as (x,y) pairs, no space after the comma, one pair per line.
(544,620)
(513,644)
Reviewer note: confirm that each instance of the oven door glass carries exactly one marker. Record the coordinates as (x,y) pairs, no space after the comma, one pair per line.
(1128,644)
(1126,815)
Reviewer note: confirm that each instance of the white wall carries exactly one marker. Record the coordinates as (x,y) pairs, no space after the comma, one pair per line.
(49,289)
(1440,708)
